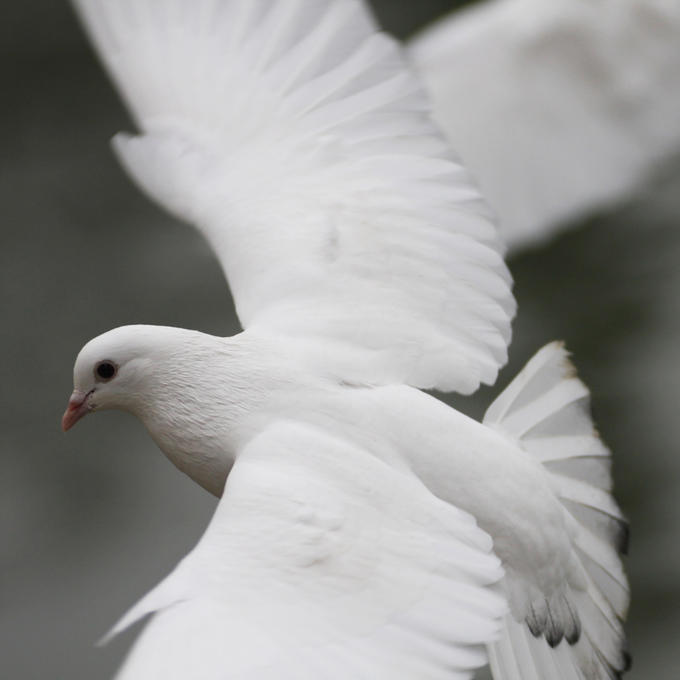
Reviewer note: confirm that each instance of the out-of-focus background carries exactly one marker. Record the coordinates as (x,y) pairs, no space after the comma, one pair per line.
(90,521)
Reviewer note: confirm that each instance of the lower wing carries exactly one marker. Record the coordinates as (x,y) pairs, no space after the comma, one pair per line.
(322,561)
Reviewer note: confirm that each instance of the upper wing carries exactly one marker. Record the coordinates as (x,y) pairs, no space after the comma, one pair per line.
(323,562)
(559,108)
(294,136)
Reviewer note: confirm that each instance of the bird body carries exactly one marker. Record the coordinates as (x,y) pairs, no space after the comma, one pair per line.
(205,398)
(208,401)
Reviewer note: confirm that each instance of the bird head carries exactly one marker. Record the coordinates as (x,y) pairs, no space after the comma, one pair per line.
(110,371)
(131,368)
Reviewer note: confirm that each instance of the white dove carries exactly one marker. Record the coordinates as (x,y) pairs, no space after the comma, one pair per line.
(363,523)
(558,108)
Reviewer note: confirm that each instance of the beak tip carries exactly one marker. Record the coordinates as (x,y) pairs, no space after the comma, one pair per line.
(77,408)
(67,421)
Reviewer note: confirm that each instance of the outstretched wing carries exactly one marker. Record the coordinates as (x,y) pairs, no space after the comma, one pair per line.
(295,137)
(323,562)
(559,108)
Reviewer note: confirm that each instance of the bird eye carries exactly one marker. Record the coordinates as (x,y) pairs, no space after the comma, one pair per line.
(105,370)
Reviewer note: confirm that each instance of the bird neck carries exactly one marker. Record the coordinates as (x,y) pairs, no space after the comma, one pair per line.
(201,408)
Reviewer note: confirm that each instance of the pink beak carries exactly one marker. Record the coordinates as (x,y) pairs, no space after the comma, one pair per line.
(78,407)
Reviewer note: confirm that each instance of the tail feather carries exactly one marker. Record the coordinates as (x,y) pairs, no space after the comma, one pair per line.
(518,655)
(604,567)
(546,411)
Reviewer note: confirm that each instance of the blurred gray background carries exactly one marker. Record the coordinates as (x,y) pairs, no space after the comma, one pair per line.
(90,521)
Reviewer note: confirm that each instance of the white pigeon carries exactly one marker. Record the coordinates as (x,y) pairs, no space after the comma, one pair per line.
(363,523)
(558,107)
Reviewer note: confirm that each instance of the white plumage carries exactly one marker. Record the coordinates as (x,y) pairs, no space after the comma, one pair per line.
(309,570)
(558,108)
(363,522)
(294,137)
(546,409)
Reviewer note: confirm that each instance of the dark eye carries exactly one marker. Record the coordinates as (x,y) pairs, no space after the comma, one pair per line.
(105,370)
